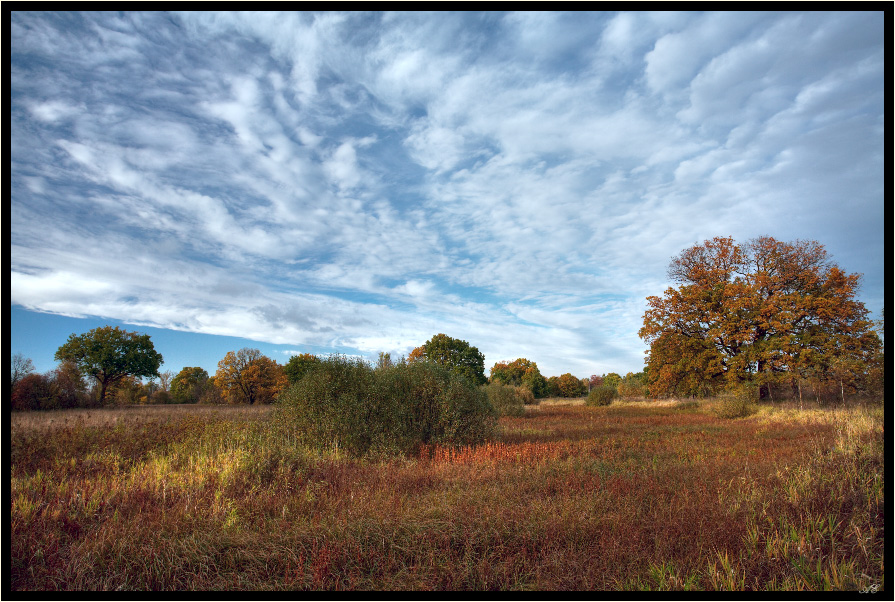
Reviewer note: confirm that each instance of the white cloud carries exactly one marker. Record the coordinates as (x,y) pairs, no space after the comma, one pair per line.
(365,181)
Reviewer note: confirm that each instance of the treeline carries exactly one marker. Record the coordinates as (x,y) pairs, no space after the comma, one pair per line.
(90,374)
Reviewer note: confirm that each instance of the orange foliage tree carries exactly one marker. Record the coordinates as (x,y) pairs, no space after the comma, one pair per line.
(765,312)
(247,376)
(520,372)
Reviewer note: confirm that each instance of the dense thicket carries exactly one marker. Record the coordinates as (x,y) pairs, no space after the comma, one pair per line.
(346,403)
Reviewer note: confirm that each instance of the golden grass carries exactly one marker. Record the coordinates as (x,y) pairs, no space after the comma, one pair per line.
(629,496)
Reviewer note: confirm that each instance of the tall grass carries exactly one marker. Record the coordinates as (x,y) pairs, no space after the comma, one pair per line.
(628,496)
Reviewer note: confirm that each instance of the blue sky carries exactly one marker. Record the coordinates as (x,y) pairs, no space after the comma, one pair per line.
(356,183)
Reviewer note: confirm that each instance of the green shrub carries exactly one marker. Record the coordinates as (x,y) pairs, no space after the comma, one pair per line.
(505,399)
(602,395)
(346,403)
(689,404)
(526,395)
(739,401)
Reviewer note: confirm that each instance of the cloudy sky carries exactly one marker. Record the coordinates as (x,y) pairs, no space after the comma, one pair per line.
(356,183)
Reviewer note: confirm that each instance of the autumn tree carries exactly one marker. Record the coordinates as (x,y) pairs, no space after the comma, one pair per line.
(761,312)
(570,386)
(20,366)
(457,355)
(247,376)
(520,372)
(34,392)
(109,355)
(70,386)
(633,385)
(418,354)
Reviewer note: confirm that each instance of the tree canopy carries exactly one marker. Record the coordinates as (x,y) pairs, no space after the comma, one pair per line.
(521,372)
(456,354)
(248,376)
(189,384)
(298,366)
(759,312)
(110,354)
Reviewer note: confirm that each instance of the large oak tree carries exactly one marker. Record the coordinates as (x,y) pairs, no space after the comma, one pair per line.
(761,312)
(109,355)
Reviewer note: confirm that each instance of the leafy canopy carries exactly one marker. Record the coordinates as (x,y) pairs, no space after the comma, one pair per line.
(457,355)
(110,354)
(248,376)
(759,312)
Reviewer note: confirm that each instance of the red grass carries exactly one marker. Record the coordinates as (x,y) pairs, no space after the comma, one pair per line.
(624,497)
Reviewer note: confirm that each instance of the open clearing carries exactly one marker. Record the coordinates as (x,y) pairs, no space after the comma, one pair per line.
(631,496)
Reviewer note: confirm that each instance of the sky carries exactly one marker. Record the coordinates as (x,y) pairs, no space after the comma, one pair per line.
(359,182)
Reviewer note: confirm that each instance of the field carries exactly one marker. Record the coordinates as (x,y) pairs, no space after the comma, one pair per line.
(633,496)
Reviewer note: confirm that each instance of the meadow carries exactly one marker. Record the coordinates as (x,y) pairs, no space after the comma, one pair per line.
(632,496)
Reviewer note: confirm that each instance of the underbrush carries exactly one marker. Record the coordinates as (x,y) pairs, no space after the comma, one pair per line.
(628,496)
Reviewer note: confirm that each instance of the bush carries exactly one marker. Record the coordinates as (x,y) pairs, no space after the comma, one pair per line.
(526,395)
(689,404)
(738,402)
(602,395)
(345,403)
(505,399)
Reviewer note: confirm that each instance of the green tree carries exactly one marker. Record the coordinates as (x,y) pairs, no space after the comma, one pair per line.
(612,380)
(298,366)
(348,403)
(109,355)
(189,385)
(457,355)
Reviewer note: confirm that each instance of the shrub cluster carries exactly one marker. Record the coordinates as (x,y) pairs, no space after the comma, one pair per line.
(602,395)
(738,401)
(508,400)
(346,403)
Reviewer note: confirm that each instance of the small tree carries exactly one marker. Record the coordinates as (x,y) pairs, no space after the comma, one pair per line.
(70,386)
(570,386)
(189,385)
(505,399)
(601,395)
(20,367)
(457,355)
(109,355)
(34,392)
(247,376)
(298,366)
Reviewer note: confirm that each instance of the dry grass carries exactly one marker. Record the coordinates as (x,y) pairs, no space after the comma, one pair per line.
(629,496)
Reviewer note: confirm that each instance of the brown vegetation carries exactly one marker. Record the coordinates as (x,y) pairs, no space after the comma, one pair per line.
(628,496)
